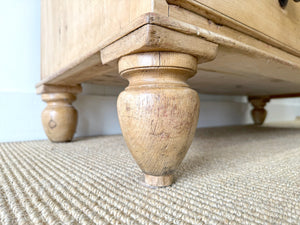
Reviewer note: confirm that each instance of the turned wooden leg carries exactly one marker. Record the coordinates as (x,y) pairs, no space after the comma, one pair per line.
(59,118)
(158,112)
(258,113)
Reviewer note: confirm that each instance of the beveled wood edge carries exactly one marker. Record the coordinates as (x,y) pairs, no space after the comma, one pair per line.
(197,7)
(76,67)
(48,88)
(151,37)
(261,48)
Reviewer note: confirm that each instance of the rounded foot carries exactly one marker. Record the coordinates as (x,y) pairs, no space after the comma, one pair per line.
(259,116)
(59,118)
(158,181)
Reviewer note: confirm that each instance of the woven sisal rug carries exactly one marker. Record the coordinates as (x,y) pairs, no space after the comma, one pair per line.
(231,175)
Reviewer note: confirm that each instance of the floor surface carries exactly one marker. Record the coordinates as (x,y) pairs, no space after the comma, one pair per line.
(231,175)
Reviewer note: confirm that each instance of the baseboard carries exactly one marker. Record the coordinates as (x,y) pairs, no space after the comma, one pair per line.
(20,113)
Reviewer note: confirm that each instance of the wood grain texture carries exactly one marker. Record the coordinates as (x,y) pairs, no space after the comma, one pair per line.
(155,38)
(72,31)
(264,20)
(243,65)
(258,112)
(194,24)
(158,112)
(59,118)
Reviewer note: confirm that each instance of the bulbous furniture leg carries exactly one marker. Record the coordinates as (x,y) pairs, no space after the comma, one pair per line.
(158,112)
(258,113)
(59,118)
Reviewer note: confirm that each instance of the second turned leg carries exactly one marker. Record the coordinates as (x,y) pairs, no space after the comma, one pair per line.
(158,112)
(258,112)
(59,118)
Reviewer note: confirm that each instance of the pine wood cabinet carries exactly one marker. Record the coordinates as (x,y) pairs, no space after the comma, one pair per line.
(167,50)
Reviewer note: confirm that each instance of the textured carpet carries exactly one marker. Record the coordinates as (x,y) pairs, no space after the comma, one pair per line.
(231,175)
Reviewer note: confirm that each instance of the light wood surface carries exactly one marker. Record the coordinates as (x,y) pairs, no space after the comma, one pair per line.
(159,181)
(59,118)
(259,113)
(155,38)
(72,31)
(158,112)
(157,46)
(264,20)
(243,65)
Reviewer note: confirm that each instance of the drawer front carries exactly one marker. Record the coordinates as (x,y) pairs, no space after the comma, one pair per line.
(263,19)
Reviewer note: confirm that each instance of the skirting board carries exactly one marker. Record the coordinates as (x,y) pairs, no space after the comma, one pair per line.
(21,121)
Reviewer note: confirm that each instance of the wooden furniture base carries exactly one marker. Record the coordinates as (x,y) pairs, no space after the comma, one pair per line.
(166,50)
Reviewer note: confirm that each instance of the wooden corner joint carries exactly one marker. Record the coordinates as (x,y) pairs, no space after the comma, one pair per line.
(155,38)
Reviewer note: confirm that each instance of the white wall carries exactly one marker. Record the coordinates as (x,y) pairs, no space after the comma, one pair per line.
(20,107)
(19,70)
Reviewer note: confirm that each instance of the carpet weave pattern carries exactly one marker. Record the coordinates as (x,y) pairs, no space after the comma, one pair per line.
(231,175)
